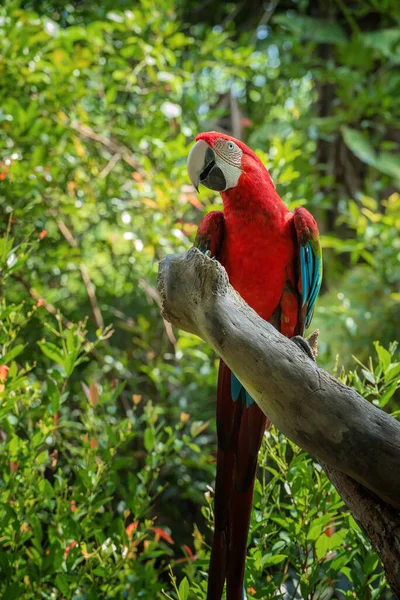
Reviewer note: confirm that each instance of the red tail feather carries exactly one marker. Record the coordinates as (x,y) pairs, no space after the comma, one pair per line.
(240,430)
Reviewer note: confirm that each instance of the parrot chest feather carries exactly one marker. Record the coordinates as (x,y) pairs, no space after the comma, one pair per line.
(256,254)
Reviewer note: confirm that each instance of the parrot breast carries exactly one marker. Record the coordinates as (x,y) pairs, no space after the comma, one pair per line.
(258,255)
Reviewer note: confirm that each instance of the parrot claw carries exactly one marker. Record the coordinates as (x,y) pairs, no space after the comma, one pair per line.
(303,344)
(208,254)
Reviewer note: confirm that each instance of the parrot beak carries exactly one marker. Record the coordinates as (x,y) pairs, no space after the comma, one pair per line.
(202,168)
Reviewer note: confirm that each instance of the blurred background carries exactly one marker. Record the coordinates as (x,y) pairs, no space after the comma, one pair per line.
(107,413)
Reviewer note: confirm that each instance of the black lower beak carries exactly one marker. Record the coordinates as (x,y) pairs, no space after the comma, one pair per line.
(212,176)
(207,170)
(209,163)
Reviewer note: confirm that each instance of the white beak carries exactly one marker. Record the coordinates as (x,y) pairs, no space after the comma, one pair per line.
(195,162)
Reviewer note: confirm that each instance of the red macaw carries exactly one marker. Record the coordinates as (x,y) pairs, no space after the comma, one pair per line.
(273,259)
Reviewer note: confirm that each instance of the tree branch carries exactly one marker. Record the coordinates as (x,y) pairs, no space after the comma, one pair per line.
(357,444)
(380,522)
(90,289)
(116,148)
(42,302)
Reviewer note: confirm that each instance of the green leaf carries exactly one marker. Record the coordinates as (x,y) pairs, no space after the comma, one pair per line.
(388,163)
(359,145)
(6,245)
(385,162)
(71,361)
(13,353)
(385,41)
(356,383)
(384,355)
(339,562)
(42,457)
(101,571)
(269,560)
(54,396)
(149,439)
(72,340)
(13,370)
(37,438)
(283,522)
(314,532)
(322,546)
(46,489)
(309,28)
(370,562)
(337,539)
(14,445)
(387,395)
(62,583)
(52,351)
(118,390)
(13,592)
(392,372)
(368,376)
(347,572)
(183,590)
(194,447)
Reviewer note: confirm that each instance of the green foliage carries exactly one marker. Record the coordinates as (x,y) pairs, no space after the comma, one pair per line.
(385,162)
(106,414)
(303,540)
(79,482)
(366,302)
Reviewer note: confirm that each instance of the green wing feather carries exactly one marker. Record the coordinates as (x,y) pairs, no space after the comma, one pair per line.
(310,260)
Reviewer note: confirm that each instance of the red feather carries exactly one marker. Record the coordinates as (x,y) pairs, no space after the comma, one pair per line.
(255,239)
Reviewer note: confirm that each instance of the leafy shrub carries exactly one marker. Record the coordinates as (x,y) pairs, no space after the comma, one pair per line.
(106,432)
(366,299)
(79,483)
(304,543)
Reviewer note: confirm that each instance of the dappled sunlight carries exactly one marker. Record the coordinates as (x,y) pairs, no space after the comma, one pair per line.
(107,412)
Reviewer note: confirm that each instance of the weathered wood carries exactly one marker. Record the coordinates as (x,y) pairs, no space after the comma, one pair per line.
(315,410)
(357,444)
(380,522)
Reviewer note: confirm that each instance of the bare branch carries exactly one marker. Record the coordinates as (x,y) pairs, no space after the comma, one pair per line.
(380,522)
(357,444)
(42,302)
(109,166)
(114,147)
(311,407)
(154,295)
(90,289)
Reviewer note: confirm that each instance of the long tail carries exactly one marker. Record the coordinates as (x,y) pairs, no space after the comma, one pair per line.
(240,427)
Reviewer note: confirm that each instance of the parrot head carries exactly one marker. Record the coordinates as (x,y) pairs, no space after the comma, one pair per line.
(219,161)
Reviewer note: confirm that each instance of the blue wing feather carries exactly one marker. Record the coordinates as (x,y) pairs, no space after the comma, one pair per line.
(310,265)
(236,387)
(305,272)
(239,392)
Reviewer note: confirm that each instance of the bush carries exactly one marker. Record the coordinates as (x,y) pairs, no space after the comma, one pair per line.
(107,427)
(79,482)
(366,300)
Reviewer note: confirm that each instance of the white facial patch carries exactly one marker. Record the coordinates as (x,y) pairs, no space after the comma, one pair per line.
(228,157)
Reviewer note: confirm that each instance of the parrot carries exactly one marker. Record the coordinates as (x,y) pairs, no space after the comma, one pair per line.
(273,259)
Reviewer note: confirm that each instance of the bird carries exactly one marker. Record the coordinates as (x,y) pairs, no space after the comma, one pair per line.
(273,259)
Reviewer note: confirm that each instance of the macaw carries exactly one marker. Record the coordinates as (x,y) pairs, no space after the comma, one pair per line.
(273,259)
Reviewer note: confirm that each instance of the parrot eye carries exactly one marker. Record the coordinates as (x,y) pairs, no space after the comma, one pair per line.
(228,157)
